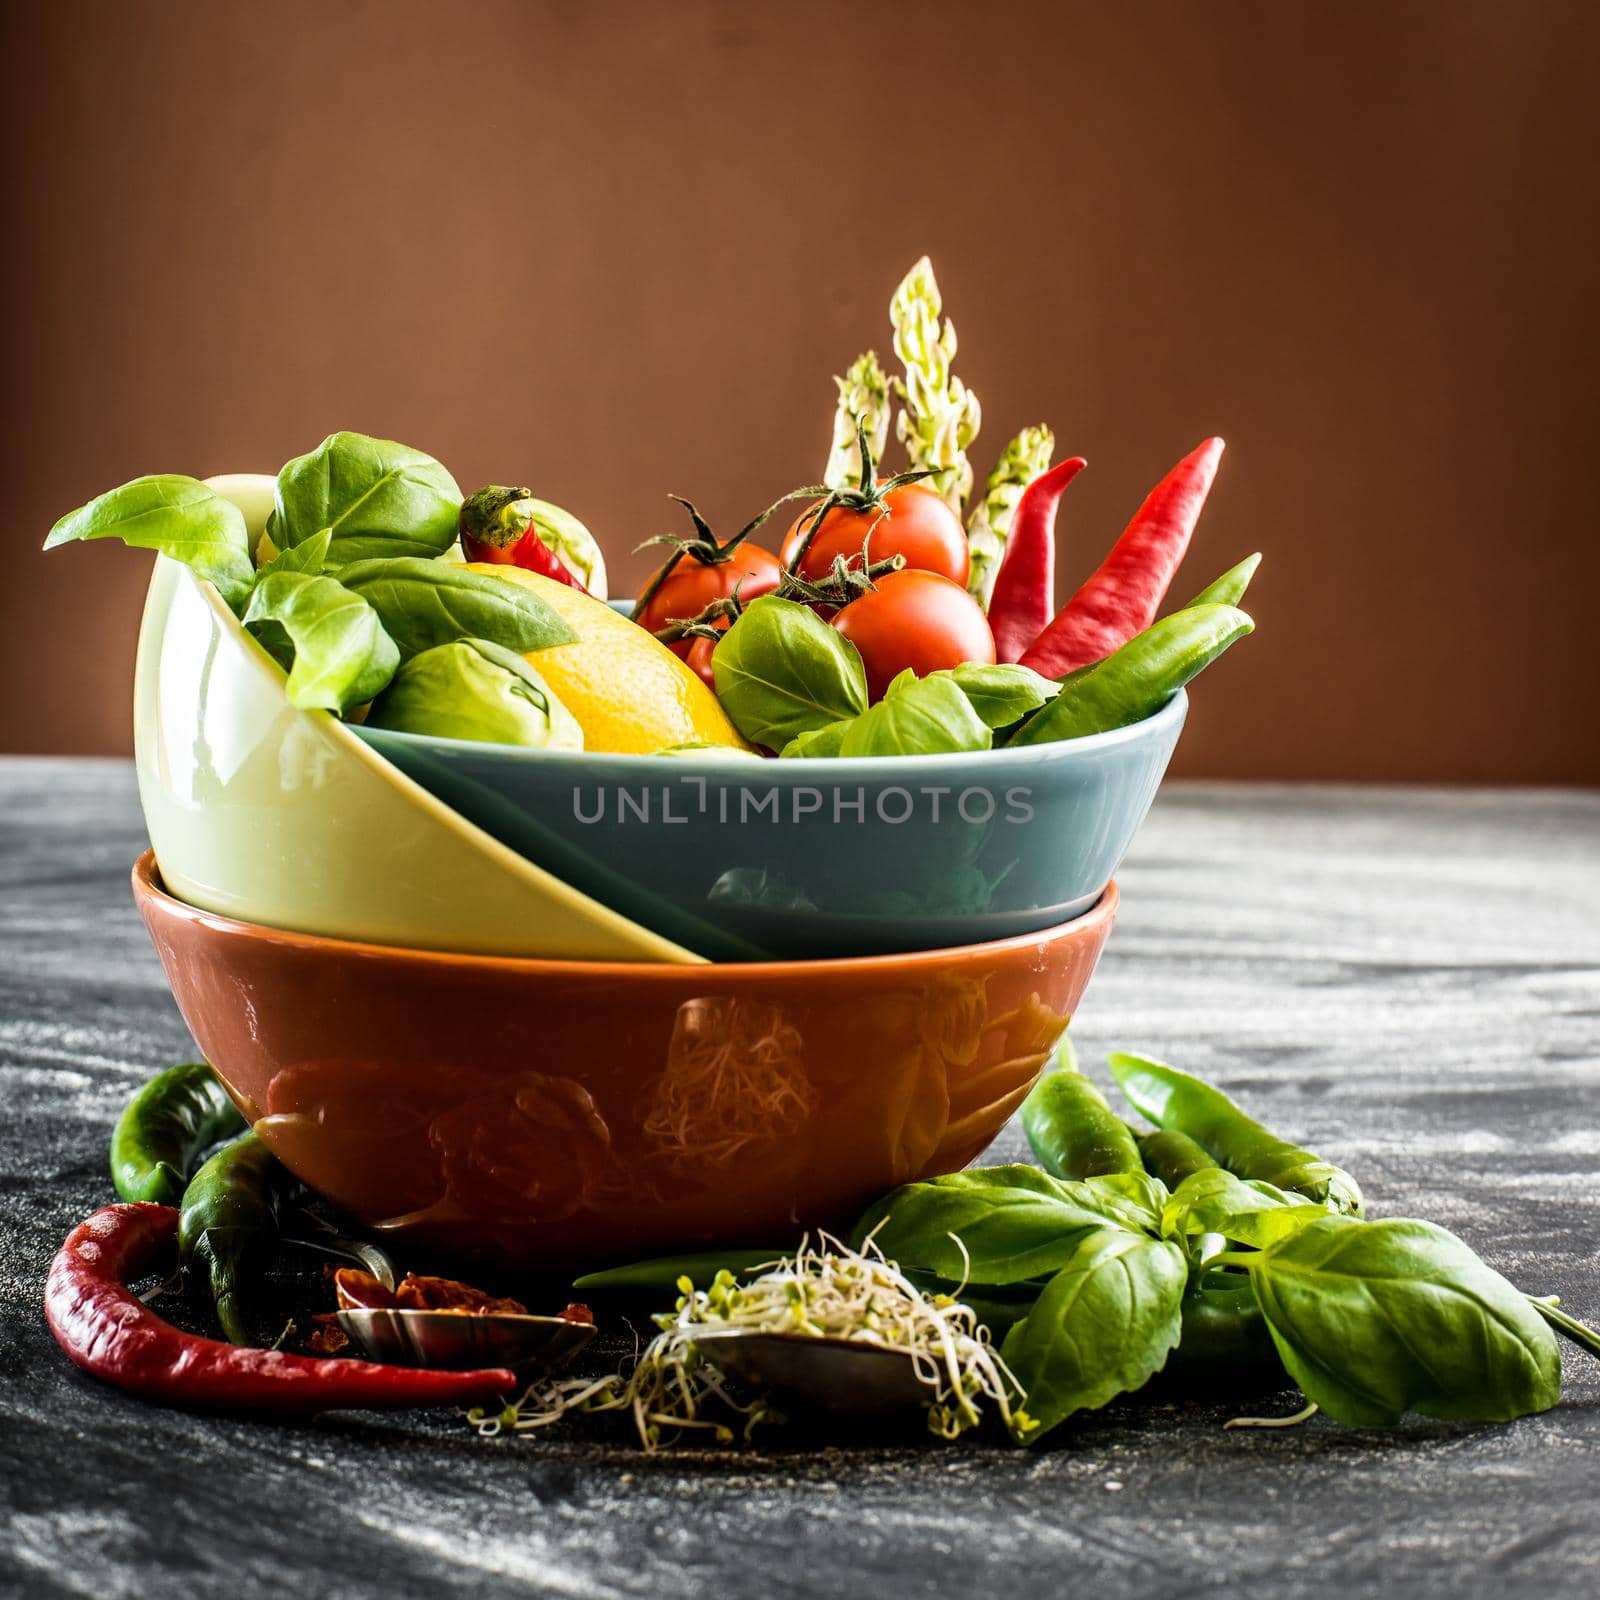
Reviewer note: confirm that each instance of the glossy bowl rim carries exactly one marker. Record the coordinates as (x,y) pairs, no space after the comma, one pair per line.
(828,767)
(149,892)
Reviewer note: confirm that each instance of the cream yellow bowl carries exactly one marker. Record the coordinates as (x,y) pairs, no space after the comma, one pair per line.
(259,811)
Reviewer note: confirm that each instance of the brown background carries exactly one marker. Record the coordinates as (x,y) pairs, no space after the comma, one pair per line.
(617,250)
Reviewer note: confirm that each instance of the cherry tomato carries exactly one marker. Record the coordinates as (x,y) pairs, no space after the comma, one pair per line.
(912,522)
(918,620)
(692,585)
(698,655)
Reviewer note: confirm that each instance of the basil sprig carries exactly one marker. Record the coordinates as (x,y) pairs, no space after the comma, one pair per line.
(782,672)
(957,709)
(1002,694)
(1103,1326)
(994,1226)
(1092,1282)
(310,557)
(917,716)
(1374,1319)
(178,516)
(342,656)
(372,496)
(355,586)
(424,604)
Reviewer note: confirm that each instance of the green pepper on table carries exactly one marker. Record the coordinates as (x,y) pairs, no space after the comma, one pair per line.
(1174,1100)
(229,1219)
(1172,1156)
(164,1128)
(1071,1129)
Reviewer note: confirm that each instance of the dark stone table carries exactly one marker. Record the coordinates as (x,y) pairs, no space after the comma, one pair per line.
(1409,981)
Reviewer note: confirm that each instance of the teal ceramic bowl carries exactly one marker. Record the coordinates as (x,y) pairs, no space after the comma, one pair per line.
(739,859)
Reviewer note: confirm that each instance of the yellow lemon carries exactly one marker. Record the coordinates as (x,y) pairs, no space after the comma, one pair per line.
(629,692)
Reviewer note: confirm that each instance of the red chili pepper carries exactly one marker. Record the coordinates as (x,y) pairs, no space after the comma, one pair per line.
(110,1333)
(494,529)
(1025,584)
(1120,599)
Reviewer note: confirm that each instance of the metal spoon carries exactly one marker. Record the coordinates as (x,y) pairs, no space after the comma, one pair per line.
(456,1340)
(466,1339)
(835,1374)
(367,1256)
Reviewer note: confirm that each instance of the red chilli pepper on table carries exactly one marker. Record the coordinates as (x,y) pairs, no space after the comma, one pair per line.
(1025,583)
(1120,599)
(113,1335)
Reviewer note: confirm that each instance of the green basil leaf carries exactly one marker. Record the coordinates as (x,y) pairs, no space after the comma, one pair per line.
(1135,1198)
(1252,1213)
(309,557)
(342,656)
(824,741)
(1123,1199)
(375,498)
(1374,1319)
(1006,1235)
(1008,1175)
(428,603)
(475,689)
(178,516)
(1019,1175)
(781,671)
(1102,1327)
(917,717)
(1002,694)
(922,1213)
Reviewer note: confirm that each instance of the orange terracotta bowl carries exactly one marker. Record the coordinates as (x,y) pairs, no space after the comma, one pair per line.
(522,1113)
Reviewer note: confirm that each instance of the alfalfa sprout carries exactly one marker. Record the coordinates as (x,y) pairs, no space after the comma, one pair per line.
(826,1290)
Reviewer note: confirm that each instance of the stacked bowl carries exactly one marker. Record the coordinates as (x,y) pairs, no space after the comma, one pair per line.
(533,1006)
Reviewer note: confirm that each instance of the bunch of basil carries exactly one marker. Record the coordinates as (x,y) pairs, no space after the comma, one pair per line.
(1095,1282)
(792,683)
(351,595)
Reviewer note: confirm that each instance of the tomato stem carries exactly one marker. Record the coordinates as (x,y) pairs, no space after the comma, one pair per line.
(844,584)
(867,495)
(705,546)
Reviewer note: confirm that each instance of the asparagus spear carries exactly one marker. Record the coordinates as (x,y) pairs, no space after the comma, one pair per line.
(1020,463)
(940,415)
(863,393)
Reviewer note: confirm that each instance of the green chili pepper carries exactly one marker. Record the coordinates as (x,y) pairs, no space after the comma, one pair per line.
(1172,1156)
(1225,1346)
(1228,590)
(229,1215)
(164,1127)
(1071,1129)
(660,1274)
(1172,1099)
(1136,681)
